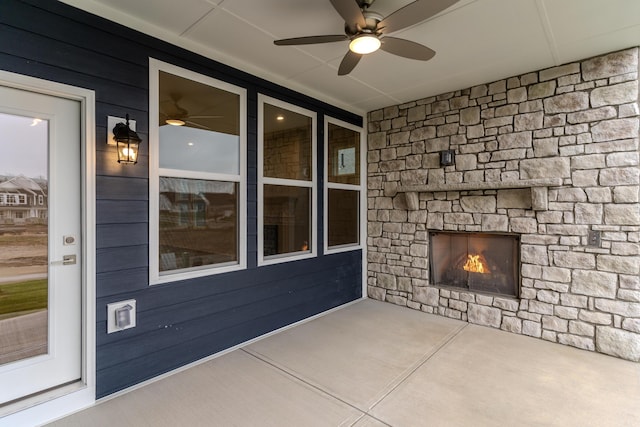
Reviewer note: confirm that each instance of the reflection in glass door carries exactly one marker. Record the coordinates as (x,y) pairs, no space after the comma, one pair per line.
(23,237)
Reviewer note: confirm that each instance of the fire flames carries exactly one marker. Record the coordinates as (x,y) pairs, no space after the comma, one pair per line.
(475,265)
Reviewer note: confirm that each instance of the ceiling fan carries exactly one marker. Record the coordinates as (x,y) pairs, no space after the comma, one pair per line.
(367,30)
(179,116)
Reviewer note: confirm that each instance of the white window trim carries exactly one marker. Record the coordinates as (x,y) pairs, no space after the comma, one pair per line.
(361,188)
(262,180)
(155,278)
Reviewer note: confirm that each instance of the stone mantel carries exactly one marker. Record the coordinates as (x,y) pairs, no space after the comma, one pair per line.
(539,199)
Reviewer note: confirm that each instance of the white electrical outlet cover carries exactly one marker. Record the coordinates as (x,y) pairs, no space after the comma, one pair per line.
(111,315)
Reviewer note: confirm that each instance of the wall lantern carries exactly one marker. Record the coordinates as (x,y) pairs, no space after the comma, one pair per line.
(447,157)
(126,140)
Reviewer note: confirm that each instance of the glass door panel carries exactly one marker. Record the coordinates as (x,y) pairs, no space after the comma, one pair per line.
(24,290)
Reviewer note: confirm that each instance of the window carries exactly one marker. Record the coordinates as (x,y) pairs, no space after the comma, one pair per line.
(197,179)
(287,182)
(343,189)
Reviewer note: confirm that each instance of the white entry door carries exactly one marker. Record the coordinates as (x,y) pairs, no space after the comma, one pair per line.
(40,243)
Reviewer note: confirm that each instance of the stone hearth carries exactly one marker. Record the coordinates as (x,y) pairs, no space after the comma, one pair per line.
(550,155)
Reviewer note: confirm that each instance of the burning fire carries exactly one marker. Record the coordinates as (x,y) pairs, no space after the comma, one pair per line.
(475,265)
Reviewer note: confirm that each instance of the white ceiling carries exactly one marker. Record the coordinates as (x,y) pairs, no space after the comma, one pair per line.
(477,41)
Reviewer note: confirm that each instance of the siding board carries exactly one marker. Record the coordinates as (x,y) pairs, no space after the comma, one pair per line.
(121,188)
(178,322)
(64,56)
(113,284)
(118,235)
(121,211)
(113,259)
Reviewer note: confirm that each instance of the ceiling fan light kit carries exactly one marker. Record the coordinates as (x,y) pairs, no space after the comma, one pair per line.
(367,30)
(364,43)
(175,122)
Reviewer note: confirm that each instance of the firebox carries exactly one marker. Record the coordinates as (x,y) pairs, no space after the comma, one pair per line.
(479,262)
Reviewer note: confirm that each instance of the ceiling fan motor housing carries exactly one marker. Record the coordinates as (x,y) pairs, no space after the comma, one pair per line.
(371,19)
(365,4)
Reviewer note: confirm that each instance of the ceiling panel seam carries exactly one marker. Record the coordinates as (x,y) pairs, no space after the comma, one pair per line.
(548,30)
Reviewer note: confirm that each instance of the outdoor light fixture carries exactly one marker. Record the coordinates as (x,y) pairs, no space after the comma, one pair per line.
(364,43)
(447,157)
(127,143)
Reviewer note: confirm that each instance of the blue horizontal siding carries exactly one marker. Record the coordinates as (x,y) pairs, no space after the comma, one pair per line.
(177,323)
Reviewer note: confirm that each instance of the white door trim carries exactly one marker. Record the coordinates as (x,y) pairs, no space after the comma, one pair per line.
(49,406)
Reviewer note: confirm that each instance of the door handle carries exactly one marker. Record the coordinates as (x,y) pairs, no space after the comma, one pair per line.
(66,260)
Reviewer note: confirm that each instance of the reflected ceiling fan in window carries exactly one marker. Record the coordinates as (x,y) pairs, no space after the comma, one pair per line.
(173,114)
(367,30)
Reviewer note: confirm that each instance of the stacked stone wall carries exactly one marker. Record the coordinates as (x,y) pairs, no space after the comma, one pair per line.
(577,123)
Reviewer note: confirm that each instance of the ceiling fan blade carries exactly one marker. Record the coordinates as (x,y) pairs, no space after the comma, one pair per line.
(348,63)
(311,40)
(350,12)
(197,125)
(205,117)
(406,48)
(413,13)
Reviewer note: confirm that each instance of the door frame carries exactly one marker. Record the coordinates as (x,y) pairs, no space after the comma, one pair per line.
(70,398)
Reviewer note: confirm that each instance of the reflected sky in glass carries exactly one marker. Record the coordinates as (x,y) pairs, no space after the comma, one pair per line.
(23,146)
(187,148)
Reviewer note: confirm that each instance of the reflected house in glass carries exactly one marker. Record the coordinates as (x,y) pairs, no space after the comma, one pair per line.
(198,223)
(23,200)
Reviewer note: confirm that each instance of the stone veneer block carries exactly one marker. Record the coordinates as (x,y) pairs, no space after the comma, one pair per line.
(617,342)
(613,64)
(539,198)
(483,204)
(485,316)
(615,95)
(611,130)
(542,90)
(412,201)
(594,283)
(470,116)
(515,199)
(567,103)
(558,167)
(593,115)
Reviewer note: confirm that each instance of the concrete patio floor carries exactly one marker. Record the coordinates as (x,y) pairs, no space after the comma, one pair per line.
(376,364)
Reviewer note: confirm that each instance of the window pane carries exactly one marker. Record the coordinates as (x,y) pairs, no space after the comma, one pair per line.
(205,135)
(198,223)
(344,155)
(287,219)
(199,150)
(343,217)
(287,144)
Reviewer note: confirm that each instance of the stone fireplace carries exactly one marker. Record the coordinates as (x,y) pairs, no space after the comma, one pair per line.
(479,262)
(550,157)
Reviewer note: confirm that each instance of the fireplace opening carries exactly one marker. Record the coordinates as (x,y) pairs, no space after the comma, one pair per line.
(479,262)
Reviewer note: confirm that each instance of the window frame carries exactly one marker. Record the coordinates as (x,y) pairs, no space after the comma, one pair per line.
(262,181)
(155,172)
(360,188)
